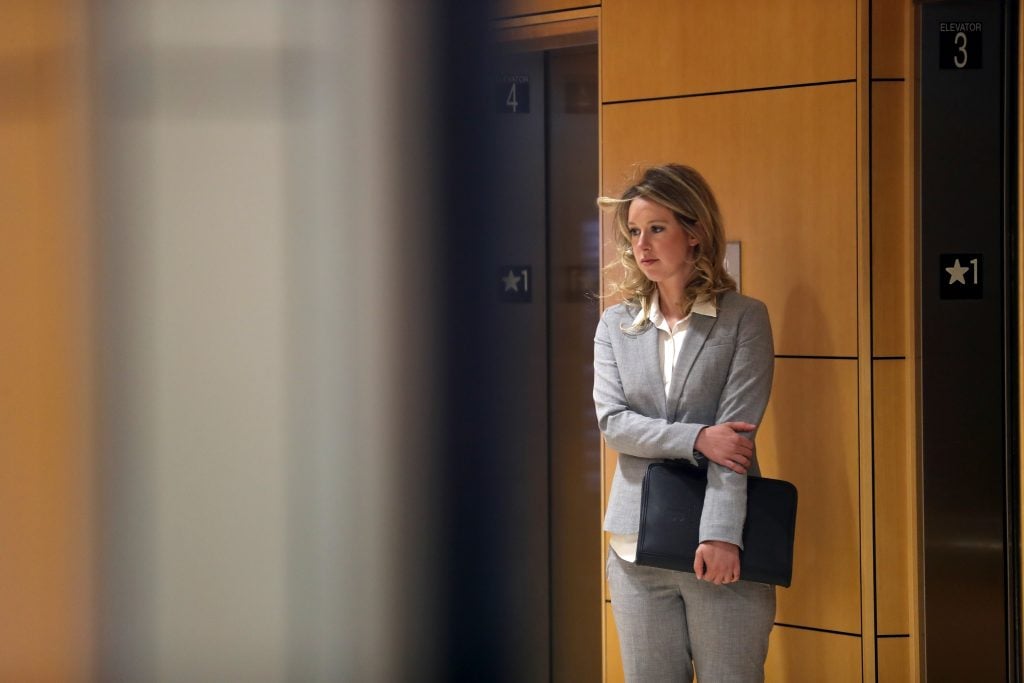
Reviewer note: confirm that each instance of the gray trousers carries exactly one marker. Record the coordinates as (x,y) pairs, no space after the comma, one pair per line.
(670,623)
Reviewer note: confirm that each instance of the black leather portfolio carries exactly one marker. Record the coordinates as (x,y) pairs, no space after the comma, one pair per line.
(673,498)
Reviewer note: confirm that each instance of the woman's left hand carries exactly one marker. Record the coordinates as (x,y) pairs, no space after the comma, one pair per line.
(718,562)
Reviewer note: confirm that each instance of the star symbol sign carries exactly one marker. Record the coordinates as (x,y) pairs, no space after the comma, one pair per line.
(512,281)
(956,273)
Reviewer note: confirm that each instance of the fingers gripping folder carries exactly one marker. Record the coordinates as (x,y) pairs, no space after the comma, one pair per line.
(673,498)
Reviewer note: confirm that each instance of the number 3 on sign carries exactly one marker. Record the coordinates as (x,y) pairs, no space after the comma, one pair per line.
(960,40)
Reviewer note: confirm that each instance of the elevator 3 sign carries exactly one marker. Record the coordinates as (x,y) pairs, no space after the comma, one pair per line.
(960,45)
(960,276)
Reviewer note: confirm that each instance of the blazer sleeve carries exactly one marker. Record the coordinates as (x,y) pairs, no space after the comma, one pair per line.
(744,399)
(625,430)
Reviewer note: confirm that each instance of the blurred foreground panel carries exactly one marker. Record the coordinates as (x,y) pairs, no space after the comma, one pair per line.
(266,239)
(247,367)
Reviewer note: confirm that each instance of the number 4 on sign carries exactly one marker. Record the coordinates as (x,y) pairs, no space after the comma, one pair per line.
(511,100)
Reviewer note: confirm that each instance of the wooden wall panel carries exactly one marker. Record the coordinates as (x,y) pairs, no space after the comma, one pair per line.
(782,164)
(1019,189)
(889,256)
(515,8)
(799,656)
(658,49)
(45,467)
(605,545)
(542,32)
(21,33)
(788,172)
(894,664)
(610,458)
(809,437)
(888,37)
(613,656)
(893,507)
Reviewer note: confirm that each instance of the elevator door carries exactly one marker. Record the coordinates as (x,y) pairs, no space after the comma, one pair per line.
(574,455)
(547,245)
(968,482)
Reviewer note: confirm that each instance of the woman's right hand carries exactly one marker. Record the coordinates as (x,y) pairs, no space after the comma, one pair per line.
(722,444)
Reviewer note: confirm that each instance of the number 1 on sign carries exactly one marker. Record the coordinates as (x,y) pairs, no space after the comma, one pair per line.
(511,99)
(974,269)
(526,280)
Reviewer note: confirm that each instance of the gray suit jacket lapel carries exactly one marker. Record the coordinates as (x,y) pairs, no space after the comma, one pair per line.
(650,360)
(696,334)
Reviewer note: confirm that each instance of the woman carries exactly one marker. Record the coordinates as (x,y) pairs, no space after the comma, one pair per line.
(682,370)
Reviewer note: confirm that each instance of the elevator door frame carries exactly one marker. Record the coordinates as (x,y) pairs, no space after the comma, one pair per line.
(945,541)
(542,34)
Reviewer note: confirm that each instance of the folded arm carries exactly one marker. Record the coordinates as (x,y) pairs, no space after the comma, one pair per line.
(744,399)
(625,430)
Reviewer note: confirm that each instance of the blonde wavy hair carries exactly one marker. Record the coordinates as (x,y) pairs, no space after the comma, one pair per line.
(684,192)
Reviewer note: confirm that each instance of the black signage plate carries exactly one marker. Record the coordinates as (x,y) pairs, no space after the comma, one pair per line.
(515,284)
(960,276)
(512,94)
(960,45)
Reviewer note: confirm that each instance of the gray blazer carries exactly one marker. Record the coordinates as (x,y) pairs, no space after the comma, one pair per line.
(723,374)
